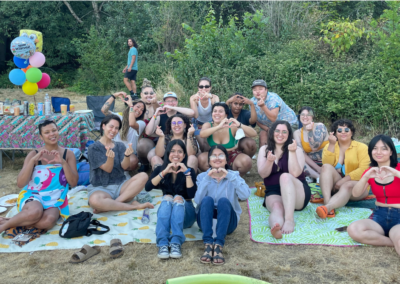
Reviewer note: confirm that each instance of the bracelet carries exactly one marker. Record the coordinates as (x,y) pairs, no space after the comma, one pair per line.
(160,175)
(187,171)
(127,156)
(155,117)
(240,125)
(113,96)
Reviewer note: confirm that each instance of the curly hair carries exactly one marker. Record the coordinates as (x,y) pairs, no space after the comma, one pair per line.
(271,140)
(133,41)
(168,128)
(344,122)
(125,120)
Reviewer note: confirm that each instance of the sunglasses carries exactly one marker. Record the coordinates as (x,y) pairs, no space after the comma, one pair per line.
(147,93)
(220,156)
(284,132)
(340,130)
(176,122)
(43,121)
(202,87)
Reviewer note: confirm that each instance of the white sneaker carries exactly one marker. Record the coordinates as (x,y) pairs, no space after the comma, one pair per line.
(163,252)
(175,251)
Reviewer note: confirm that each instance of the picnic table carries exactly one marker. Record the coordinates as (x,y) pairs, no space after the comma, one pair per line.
(22,133)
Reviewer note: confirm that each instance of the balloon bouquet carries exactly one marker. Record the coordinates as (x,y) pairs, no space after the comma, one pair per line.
(28,58)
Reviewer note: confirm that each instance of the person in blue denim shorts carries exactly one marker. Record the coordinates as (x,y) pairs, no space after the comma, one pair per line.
(176,211)
(217,197)
(384,178)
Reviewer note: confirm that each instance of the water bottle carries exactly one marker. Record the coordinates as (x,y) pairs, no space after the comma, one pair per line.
(146,216)
(47,105)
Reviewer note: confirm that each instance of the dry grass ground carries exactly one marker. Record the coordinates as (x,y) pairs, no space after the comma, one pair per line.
(272,263)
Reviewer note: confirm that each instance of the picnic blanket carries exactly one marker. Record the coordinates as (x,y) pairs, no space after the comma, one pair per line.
(309,230)
(124,225)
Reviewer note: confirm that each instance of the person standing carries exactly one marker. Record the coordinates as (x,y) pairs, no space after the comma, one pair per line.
(131,68)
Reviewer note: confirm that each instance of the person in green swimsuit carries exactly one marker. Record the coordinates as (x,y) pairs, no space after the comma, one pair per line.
(226,132)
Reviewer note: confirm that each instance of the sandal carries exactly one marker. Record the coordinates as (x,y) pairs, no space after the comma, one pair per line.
(322,211)
(218,255)
(85,253)
(331,214)
(208,250)
(116,249)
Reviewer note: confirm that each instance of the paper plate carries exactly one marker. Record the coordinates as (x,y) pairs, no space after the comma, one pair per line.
(2,209)
(3,200)
(84,111)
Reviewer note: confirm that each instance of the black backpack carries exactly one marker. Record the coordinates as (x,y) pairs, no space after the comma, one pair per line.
(78,225)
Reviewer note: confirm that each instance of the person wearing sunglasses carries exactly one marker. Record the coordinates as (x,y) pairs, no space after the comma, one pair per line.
(45,178)
(344,161)
(132,124)
(236,102)
(177,127)
(218,192)
(201,104)
(383,175)
(312,138)
(280,163)
(110,189)
(223,131)
(270,108)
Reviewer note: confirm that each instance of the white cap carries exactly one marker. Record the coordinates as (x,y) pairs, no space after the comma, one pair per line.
(170,95)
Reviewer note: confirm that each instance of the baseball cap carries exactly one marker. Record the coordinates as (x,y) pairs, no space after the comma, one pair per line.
(170,95)
(259,83)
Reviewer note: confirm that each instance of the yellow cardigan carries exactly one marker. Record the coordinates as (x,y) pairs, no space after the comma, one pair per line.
(356,159)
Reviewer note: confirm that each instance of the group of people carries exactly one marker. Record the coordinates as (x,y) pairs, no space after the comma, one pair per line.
(201,153)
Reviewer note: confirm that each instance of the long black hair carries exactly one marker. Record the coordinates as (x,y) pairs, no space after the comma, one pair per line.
(169,122)
(271,140)
(107,119)
(133,41)
(168,177)
(389,143)
(223,149)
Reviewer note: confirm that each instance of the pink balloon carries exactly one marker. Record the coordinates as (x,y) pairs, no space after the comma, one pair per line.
(45,82)
(37,59)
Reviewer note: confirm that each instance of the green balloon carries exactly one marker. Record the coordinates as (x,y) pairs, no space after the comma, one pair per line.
(33,75)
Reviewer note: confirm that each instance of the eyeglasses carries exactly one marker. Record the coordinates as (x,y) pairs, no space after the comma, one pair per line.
(340,130)
(147,93)
(42,121)
(220,156)
(284,132)
(202,87)
(304,115)
(176,122)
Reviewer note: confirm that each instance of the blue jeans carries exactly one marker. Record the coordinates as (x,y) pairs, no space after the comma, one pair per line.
(226,217)
(173,216)
(386,217)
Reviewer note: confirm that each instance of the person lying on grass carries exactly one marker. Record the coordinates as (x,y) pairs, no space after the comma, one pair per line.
(280,163)
(384,178)
(217,197)
(176,211)
(344,160)
(109,188)
(45,178)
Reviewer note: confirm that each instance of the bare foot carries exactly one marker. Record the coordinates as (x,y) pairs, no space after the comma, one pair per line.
(142,206)
(288,227)
(276,231)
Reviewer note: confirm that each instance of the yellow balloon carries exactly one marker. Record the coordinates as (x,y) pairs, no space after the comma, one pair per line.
(30,88)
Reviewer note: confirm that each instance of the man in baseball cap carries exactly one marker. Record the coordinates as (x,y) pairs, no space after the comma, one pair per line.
(270,108)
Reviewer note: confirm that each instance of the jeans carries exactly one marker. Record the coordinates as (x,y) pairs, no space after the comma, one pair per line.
(226,220)
(173,216)
(386,217)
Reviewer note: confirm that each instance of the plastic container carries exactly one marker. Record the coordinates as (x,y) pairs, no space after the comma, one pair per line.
(146,216)
(40,107)
(47,105)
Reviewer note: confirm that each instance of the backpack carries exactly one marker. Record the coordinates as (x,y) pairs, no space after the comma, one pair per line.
(84,173)
(78,225)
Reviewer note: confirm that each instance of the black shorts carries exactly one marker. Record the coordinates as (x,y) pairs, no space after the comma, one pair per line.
(131,75)
(276,190)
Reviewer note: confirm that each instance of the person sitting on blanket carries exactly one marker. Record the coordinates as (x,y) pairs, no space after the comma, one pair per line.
(45,178)
(109,188)
(344,160)
(217,197)
(281,167)
(177,127)
(176,211)
(132,124)
(384,178)
(312,138)
(223,131)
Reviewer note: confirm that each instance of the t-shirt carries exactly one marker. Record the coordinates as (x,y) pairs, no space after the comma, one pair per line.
(244,117)
(274,101)
(133,51)
(133,135)
(97,157)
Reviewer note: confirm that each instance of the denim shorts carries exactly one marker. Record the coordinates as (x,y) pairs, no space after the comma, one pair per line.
(386,217)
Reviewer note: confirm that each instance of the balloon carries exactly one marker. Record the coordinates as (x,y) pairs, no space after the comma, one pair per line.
(26,69)
(33,75)
(22,47)
(37,59)
(35,36)
(17,77)
(21,63)
(45,82)
(30,88)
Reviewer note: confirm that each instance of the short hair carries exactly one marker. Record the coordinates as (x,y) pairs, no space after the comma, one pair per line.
(204,79)
(220,104)
(343,122)
(107,119)
(388,142)
(45,123)
(223,149)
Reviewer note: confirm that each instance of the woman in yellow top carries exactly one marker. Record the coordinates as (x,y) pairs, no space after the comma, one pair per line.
(344,161)
(312,138)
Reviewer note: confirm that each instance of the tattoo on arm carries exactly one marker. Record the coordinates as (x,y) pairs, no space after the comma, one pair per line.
(316,137)
(106,109)
(194,144)
(317,156)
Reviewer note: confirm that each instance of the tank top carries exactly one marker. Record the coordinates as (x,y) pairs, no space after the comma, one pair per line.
(306,145)
(64,156)
(229,145)
(204,113)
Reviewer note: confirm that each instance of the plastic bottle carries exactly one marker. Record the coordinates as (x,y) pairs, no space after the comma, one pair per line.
(146,216)
(47,105)
(7,106)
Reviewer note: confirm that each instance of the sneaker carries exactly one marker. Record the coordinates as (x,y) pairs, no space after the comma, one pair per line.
(175,251)
(309,180)
(163,252)
(135,97)
(143,168)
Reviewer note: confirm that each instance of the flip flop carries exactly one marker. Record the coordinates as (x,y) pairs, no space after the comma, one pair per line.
(84,254)
(322,211)
(116,249)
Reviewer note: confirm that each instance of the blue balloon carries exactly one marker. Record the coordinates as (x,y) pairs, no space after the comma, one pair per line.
(22,47)
(20,62)
(17,77)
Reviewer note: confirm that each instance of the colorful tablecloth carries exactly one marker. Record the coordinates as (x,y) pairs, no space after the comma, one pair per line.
(22,131)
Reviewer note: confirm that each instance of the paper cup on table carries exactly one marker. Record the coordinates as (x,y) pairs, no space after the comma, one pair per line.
(16,110)
(63,109)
